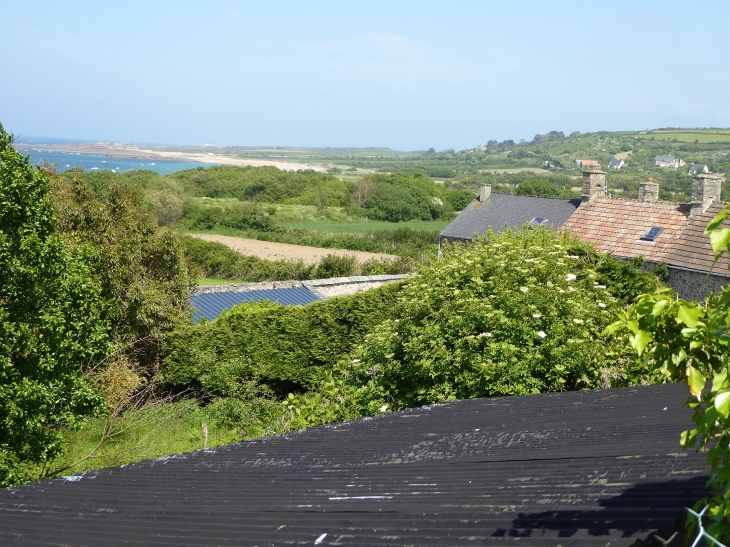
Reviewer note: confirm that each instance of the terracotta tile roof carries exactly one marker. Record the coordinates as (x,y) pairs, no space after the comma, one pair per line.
(615,226)
(694,250)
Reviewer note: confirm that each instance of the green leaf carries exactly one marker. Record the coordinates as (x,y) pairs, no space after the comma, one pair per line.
(613,327)
(689,315)
(688,438)
(640,341)
(659,306)
(695,380)
(717,221)
(719,380)
(719,239)
(722,403)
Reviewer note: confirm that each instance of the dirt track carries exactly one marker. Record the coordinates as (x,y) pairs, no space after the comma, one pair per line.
(284,251)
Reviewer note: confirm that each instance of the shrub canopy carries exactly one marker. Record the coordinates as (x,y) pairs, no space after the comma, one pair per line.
(50,326)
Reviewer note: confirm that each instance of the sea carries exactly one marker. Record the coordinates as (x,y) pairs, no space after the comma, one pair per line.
(101,162)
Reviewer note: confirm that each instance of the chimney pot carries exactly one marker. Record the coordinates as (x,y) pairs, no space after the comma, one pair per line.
(706,190)
(648,191)
(485,192)
(594,183)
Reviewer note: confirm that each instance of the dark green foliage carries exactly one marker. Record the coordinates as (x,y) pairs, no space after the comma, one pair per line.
(336,266)
(242,216)
(50,325)
(266,184)
(406,196)
(283,348)
(538,187)
(139,267)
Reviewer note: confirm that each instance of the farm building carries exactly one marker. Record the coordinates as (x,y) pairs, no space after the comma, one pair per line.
(582,468)
(616,164)
(661,232)
(669,161)
(585,164)
(697,168)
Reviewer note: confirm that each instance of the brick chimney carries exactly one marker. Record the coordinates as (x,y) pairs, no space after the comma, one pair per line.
(706,190)
(485,192)
(594,183)
(649,191)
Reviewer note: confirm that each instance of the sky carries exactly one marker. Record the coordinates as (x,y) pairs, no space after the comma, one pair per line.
(398,74)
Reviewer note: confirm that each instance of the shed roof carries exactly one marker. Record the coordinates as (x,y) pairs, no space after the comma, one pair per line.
(616,226)
(582,468)
(511,210)
(211,305)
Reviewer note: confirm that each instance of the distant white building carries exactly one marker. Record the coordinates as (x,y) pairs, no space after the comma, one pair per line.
(697,168)
(616,164)
(669,161)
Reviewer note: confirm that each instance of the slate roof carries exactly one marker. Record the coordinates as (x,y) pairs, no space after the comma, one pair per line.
(615,163)
(586,468)
(211,305)
(698,168)
(508,209)
(665,159)
(616,226)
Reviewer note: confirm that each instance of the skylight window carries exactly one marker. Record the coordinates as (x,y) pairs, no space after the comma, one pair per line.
(537,221)
(652,233)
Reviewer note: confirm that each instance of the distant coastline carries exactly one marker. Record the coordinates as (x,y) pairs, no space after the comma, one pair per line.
(129,151)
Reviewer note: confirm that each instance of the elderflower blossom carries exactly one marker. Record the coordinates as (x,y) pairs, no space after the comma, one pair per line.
(485,335)
(524,289)
(384,408)
(541,334)
(570,277)
(571,289)
(559,263)
(574,257)
(601,305)
(561,291)
(356,360)
(536,315)
(529,260)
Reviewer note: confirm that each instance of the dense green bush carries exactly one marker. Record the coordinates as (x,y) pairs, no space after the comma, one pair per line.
(242,216)
(283,348)
(519,313)
(407,196)
(50,323)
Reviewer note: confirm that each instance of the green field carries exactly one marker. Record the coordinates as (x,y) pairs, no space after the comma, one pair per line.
(363,226)
(689,135)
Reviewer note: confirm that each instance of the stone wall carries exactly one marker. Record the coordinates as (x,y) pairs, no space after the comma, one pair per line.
(695,285)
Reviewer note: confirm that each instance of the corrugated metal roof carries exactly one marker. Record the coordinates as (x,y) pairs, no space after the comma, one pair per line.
(586,468)
(210,305)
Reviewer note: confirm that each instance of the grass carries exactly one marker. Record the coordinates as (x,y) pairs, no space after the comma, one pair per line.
(360,226)
(516,170)
(689,136)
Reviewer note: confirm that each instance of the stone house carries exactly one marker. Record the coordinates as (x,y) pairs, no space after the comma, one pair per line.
(660,231)
(669,161)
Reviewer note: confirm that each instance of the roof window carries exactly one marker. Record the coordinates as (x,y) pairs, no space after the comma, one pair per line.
(537,221)
(652,233)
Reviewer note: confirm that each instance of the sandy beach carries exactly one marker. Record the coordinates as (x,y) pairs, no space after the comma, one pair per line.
(117,150)
(285,251)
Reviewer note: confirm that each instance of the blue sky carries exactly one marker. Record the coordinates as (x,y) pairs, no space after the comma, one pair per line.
(407,75)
